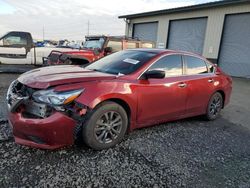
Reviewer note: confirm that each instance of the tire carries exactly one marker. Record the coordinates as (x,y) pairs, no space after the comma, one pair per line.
(214,106)
(105,126)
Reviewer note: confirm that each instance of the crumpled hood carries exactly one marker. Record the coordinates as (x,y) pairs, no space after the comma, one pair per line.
(43,78)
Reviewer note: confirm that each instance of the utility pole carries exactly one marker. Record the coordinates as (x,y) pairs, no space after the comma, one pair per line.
(88,28)
(43,32)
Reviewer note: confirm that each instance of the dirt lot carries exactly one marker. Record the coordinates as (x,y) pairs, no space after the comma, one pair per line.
(187,153)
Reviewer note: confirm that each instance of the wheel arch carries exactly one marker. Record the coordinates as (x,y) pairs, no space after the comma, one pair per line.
(122,103)
(223,96)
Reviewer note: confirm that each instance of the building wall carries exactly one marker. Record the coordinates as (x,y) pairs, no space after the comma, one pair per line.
(214,28)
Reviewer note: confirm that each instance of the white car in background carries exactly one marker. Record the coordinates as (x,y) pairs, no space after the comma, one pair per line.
(17,47)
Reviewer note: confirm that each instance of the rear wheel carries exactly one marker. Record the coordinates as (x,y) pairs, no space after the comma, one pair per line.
(106,126)
(214,106)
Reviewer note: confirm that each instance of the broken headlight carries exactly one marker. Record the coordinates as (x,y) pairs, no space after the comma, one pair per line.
(56,98)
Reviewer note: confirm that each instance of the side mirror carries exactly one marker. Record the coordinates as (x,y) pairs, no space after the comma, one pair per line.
(108,50)
(157,74)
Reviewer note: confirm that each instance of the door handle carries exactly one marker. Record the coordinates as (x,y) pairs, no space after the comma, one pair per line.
(182,85)
(210,80)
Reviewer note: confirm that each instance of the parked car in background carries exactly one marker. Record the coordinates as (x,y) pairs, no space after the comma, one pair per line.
(45,43)
(94,48)
(17,47)
(69,44)
(51,107)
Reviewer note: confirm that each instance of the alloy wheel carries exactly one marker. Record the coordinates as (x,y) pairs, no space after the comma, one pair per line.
(108,127)
(215,105)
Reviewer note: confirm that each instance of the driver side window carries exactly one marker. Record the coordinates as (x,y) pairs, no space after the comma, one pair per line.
(14,40)
(172,65)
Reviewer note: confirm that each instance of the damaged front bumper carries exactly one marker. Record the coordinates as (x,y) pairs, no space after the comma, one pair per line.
(40,125)
(52,132)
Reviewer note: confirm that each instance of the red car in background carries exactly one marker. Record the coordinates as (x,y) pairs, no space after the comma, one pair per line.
(94,48)
(52,107)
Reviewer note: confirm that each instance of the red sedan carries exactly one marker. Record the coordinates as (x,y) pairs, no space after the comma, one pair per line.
(52,107)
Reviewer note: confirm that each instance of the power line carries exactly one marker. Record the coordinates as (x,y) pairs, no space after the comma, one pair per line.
(43,32)
(88,28)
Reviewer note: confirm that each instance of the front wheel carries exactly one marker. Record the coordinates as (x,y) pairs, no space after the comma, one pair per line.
(106,126)
(214,106)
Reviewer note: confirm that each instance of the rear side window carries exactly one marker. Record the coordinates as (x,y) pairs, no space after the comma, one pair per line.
(172,65)
(115,45)
(195,65)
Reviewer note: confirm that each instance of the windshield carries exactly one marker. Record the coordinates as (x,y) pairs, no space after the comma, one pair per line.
(123,62)
(93,43)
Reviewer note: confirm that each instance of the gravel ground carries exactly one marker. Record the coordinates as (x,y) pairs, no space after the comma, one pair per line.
(187,153)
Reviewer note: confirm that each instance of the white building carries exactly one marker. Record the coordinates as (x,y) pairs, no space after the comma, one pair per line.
(218,30)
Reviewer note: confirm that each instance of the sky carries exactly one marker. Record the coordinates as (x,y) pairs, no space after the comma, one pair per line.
(68,19)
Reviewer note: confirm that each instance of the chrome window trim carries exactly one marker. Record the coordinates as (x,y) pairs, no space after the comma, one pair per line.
(138,78)
(204,60)
(183,65)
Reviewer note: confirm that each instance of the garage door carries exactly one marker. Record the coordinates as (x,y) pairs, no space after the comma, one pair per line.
(187,35)
(146,31)
(234,56)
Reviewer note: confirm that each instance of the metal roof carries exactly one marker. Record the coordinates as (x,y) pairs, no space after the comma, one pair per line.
(186,8)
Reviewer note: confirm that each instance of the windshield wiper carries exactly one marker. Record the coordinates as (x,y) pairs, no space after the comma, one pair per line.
(98,70)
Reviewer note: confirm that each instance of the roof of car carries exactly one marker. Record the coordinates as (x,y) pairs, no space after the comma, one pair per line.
(151,50)
(159,51)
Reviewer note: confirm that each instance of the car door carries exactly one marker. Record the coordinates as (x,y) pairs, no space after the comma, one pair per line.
(13,45)
(200,84)
(13,48)
(162,99)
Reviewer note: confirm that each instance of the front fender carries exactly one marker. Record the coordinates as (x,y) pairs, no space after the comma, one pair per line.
(98,92)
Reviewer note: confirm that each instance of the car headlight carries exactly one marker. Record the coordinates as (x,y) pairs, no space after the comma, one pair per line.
(56,98)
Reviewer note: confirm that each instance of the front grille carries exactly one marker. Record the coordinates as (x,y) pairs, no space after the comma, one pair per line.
(20,96)
(18,90)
